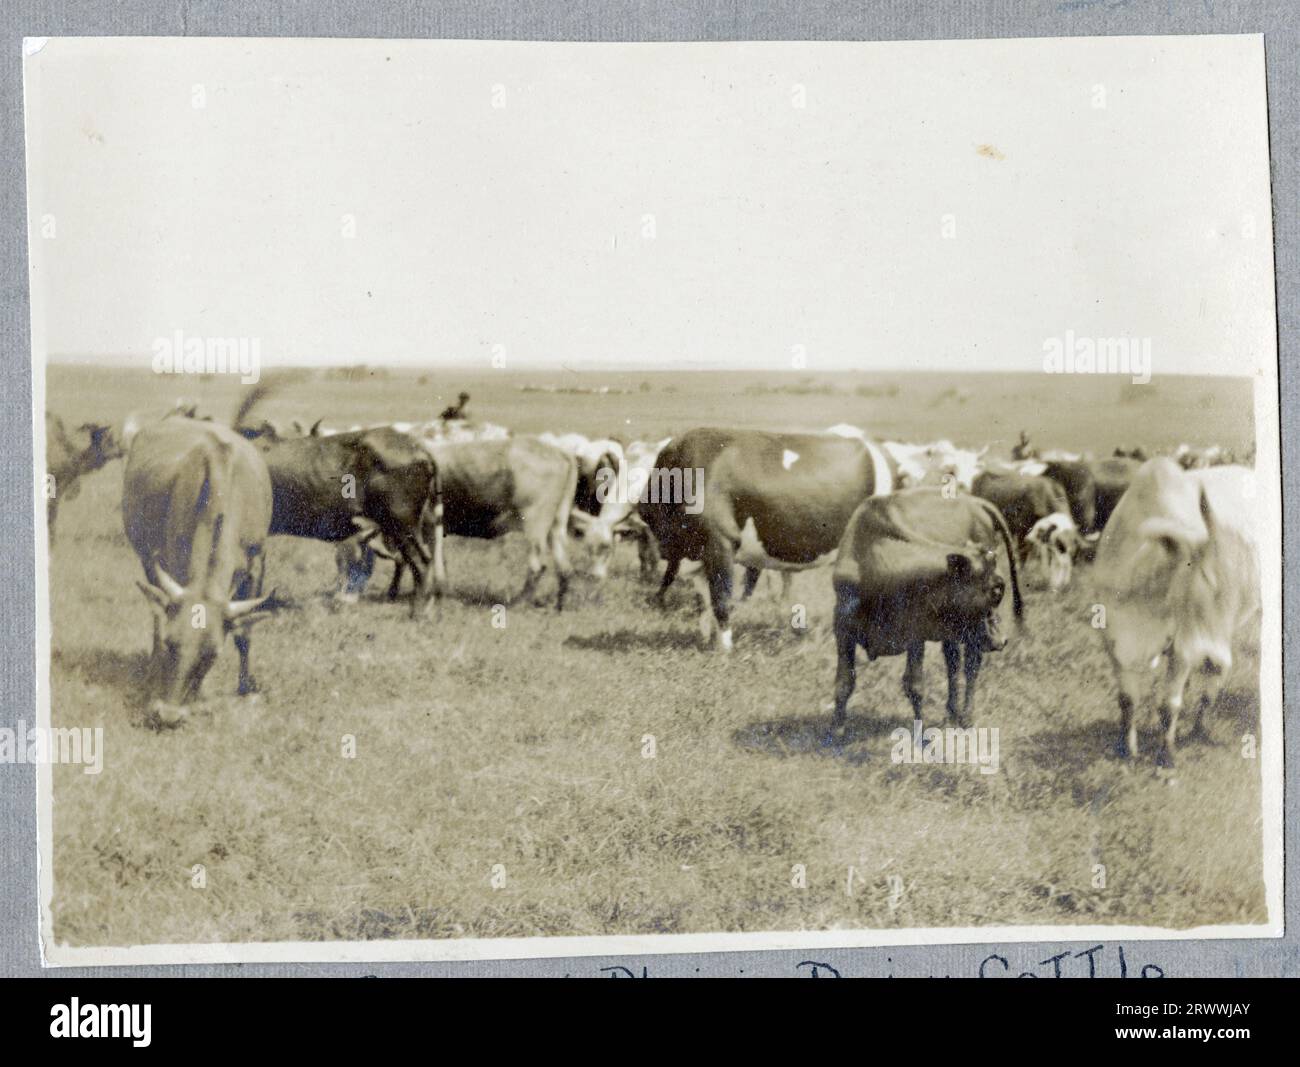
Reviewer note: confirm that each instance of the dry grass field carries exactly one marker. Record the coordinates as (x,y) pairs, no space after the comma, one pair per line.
(522,746)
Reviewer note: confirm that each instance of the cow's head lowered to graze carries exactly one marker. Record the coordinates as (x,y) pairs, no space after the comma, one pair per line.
(190,629)
(1054,541)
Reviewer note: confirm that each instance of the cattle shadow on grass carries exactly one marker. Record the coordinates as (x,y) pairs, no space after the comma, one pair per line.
(751,637)
(1072,749)
(124,673)
(809,735)
(616,641)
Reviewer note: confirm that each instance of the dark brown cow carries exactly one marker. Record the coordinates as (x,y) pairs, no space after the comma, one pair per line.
(328,488)
(490,488)
(765,500)
(914,567)
(1112,478)
(69,455)
(1076,478)
(196,505)
(1022,499)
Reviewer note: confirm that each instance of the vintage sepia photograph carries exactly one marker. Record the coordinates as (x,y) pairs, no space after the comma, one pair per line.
(521,499)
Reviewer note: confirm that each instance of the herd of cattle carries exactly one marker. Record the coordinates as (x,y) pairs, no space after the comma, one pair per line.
(916,535)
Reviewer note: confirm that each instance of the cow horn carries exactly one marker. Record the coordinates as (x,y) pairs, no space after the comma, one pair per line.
(238,608)
(315,428)
(168,584)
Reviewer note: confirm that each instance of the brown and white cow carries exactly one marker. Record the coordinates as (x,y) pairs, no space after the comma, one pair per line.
(1178,573)
(918,566)
(1055,542)
(761,500)
(196,505)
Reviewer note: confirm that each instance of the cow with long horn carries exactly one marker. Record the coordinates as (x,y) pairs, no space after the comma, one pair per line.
(196,505)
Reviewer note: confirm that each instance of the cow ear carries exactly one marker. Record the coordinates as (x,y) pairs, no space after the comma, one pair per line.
(959,565)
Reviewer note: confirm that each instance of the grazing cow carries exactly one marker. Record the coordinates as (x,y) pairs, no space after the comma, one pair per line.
(196,505)
(1112,477)
(1023,499)
(618,511)
(763,500)
(490,488)
(69,455)
(914,567)
(329,487)
(1056,543)
(1131,452)
(1178,574)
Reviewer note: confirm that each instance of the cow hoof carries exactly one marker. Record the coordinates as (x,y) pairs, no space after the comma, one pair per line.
(249,687)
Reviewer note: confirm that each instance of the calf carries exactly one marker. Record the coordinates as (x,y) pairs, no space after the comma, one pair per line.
(920,566)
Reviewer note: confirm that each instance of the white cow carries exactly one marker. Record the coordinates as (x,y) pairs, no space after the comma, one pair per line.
(1178,576)
(930,464)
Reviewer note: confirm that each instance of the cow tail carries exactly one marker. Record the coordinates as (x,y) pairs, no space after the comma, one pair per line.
(560,529)
(1017,603)
(438,564)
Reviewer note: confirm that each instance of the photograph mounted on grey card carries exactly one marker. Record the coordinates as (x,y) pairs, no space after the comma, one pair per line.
(497,499)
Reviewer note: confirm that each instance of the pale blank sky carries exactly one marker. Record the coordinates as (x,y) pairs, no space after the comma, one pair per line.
(773,225)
